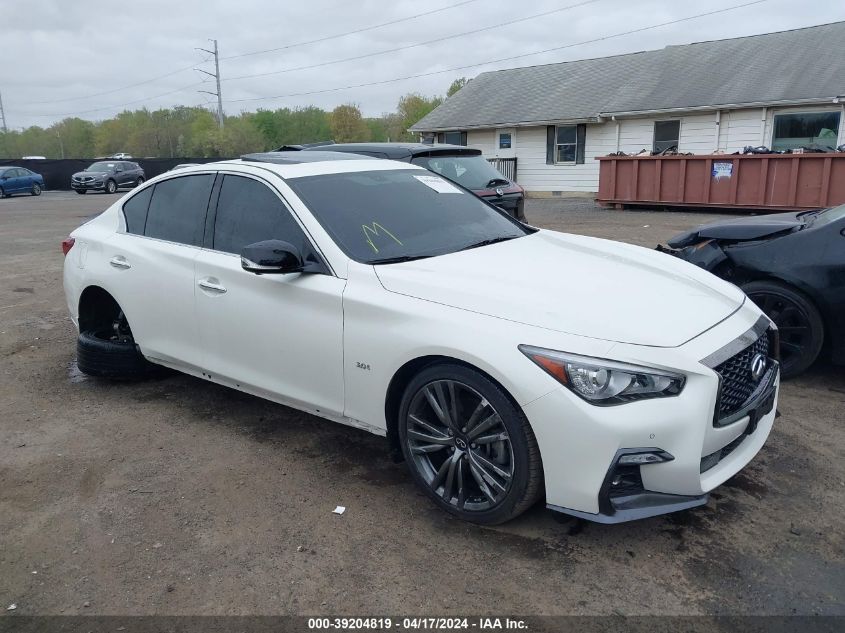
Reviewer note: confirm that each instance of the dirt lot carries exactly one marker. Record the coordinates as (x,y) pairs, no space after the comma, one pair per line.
(176,496)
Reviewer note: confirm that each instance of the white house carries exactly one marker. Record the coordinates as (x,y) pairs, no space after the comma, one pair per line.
(781,90)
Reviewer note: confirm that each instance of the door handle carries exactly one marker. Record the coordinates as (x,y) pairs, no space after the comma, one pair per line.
(211,286)
(120,262)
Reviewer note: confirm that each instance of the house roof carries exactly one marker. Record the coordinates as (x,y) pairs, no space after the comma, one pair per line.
(785,67)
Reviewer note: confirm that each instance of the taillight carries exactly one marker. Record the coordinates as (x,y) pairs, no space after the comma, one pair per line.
(67,244)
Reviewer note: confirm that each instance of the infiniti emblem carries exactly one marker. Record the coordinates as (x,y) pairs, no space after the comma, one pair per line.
(757,367)
(460,444)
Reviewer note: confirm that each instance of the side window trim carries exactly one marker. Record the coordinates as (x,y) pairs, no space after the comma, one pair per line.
(309,238)
(211,212)
(211,198)
(146,211)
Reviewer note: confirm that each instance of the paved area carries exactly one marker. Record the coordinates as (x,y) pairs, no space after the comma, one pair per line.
(176,496)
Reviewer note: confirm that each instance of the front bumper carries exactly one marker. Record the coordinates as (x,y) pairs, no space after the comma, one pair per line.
(87,186)
(581,444)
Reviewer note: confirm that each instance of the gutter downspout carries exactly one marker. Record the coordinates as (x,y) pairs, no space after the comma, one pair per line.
(763,126)
(615,120)
(718,129)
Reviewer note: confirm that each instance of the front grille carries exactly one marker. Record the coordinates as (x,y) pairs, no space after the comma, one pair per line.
(709,461)
(737,382)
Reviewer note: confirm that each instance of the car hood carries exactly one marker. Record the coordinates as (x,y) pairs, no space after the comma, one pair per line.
(740,229)
(92,173)
(578,285)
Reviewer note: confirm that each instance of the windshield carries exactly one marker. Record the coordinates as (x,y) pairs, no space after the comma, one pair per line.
(473,172)
(381,216)
(103,166)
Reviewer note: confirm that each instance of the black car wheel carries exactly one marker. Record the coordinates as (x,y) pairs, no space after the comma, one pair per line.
(80,191)
(140,181)
(799,323)
(36,189)
(468,446)
(109,351)
(3,194)
(111,186)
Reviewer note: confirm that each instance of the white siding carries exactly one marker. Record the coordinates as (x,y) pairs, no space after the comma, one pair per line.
(485,140)
(741,128)
(736,129)
(634,135)
(698,134)
(535,175)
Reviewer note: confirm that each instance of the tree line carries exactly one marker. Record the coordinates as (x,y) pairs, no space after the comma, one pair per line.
(193,131)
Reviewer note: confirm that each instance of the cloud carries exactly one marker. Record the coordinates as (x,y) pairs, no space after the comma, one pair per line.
(60,56)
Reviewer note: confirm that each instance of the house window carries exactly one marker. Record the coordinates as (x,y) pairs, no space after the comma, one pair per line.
(505,140)
(805,129)
(453,138)
(666,135)
(566,143)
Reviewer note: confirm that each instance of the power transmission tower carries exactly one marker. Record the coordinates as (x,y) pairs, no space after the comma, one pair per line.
(216,75)
(3,115)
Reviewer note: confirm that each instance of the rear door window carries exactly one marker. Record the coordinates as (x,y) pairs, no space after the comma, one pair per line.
(135,211)
(248,211)
(178,208)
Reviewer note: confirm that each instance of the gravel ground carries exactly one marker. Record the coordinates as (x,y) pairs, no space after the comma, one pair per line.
(177,496)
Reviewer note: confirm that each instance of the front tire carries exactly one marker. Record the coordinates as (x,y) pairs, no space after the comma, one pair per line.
(799,323)
(140,181)
(468,446)
(81,192)
(36,189)
(3,194)
(111,186)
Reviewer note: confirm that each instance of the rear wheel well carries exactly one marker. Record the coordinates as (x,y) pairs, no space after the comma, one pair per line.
(401,379)
(96,309)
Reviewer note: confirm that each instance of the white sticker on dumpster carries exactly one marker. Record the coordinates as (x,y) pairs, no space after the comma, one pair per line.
(722,170)
(438,184)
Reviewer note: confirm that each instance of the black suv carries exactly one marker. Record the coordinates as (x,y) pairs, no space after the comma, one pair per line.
(108,176)
(463,165)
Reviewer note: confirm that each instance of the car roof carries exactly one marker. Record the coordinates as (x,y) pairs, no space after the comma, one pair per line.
(398,150)
(296,164)
(296,157)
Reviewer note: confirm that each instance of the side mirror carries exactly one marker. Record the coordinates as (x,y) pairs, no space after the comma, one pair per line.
(271,257)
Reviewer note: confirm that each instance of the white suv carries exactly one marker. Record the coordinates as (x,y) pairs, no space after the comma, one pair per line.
(506,363)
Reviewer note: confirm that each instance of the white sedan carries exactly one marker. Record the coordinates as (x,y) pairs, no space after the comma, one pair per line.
(506,363)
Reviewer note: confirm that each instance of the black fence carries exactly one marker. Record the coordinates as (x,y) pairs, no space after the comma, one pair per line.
(57,172)
(507,166)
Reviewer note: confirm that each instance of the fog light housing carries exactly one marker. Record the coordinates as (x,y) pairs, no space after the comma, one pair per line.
(649,457)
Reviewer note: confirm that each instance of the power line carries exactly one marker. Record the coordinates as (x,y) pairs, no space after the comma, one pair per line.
(418,44)
(269,50)
(108,92)
(356,31)
(501,59)
(121,105)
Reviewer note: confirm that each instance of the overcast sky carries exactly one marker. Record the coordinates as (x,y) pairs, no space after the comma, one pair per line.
(60,57)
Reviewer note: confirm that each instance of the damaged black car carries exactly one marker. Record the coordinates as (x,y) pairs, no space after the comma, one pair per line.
(792,265)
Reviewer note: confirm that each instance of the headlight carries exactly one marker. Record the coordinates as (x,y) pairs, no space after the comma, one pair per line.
(604,382)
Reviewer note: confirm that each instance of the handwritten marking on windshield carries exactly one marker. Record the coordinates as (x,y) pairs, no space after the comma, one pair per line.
(374,230)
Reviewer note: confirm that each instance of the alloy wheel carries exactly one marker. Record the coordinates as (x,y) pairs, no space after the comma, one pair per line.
(792,321)
(460,445)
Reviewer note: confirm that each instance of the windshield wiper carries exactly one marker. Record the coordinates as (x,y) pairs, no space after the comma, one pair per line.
(396,260)
(493,240)
(498,181)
